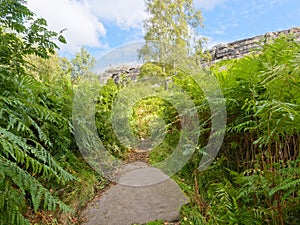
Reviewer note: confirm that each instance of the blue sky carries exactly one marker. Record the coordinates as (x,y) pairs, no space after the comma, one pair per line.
(102,25)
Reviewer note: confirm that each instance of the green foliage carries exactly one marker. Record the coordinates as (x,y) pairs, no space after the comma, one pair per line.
(82,64)
(151,69)
(22,34)
(190,216)
(263,90)
(253,197)
(156,222)
(145,116)
(51,71)
(255,179)
(103,112)
(169,30)
(32,126)
(261,147)
(76,194)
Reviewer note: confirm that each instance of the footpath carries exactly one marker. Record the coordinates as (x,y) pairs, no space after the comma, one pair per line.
(142,194)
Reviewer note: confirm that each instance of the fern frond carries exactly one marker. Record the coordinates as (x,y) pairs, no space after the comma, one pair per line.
(26,182)
(286,185)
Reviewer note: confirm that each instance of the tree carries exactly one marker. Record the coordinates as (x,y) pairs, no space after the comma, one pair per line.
(21,34)
(82,64)
(171,30)
(51,70)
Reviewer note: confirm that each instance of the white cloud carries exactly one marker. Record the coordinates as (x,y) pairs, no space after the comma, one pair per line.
(84,18)
(125,13)
(83,28)
(211,42)
(207,4)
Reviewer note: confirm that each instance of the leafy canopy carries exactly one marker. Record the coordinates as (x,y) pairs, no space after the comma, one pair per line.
(171,29)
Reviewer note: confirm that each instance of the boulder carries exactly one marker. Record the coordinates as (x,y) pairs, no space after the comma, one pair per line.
(143,194)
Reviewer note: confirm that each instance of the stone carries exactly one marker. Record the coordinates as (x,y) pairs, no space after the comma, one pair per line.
(236,49)
(243,47)
(144,194)
(116,73)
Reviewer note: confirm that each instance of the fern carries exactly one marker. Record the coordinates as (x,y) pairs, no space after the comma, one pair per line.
(287,184)
(26,182)
(30,131)
(261,147)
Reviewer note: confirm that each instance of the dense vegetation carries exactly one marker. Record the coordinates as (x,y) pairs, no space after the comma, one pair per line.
(254,180)
(39,164)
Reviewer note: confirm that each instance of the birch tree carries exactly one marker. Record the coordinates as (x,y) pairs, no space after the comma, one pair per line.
(171,30)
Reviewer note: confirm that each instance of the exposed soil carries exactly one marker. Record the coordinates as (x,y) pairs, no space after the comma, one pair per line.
(137,156)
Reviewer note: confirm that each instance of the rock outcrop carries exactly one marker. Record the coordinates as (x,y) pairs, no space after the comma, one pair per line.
(232,50)
(143,194)
(129,72)
(238,49)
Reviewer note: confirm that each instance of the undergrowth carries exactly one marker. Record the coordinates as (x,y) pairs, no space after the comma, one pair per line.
(255,178)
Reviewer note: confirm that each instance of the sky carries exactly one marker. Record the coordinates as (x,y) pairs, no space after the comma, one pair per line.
(103,25)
